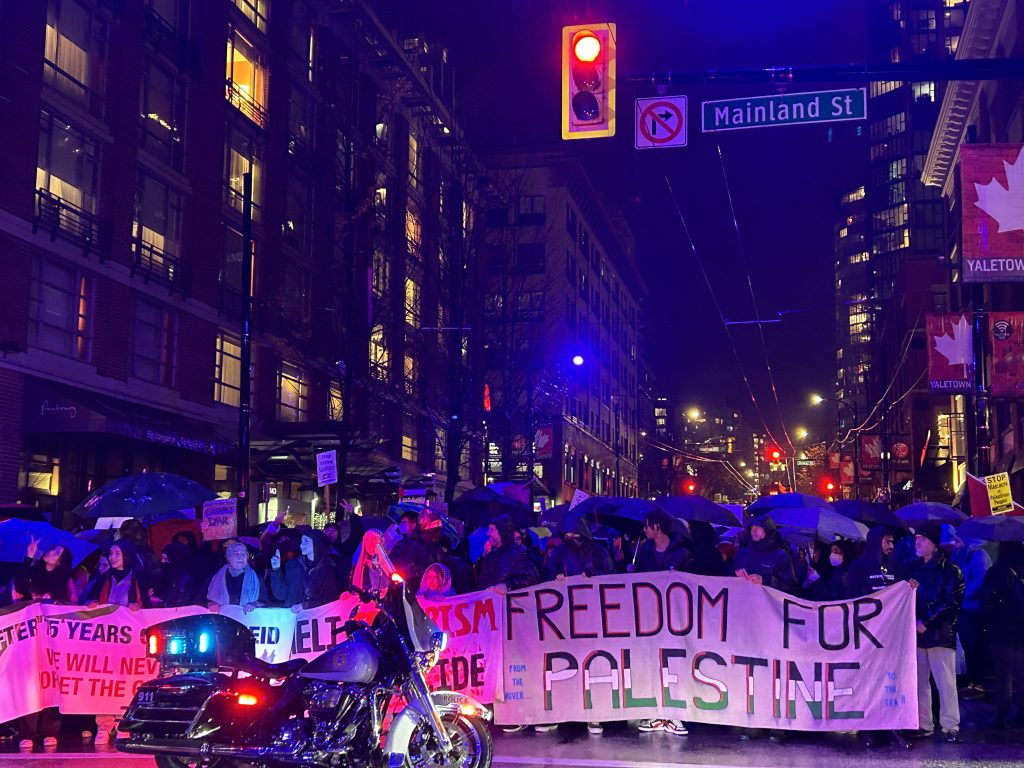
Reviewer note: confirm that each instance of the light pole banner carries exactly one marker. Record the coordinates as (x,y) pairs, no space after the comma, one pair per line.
(711,650)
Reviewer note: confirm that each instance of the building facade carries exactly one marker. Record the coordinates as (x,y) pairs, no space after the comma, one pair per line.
(130,128)
(562,313)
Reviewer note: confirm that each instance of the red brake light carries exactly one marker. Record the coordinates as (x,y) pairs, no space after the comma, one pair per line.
(397,578)
(154,644)
(247,700)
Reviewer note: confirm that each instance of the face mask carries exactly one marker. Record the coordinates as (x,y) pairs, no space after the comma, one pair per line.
(836,560)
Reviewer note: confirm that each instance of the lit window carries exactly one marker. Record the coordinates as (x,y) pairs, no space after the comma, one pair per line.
(60,310)
(74,50)
(410,372)
(925,90)
(413,230)
(843,232)
(292,393)
(415,163)
(255,11)
(381,273)
(161,96)
(227,371)
(859,258)
(156,224)
(380,357)
(410,451)
(412,302)
(67,163)
(242,156)
(245,87)
(335,403)
(154,343)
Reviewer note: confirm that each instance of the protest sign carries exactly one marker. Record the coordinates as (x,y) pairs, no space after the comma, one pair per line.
(220,519)
(713,650)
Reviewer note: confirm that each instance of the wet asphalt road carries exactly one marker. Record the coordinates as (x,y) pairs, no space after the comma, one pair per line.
(622,747)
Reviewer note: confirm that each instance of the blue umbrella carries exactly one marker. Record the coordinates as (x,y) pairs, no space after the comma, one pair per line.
(145,496)
(787,501)
(867,512)
(697,508)
(929,511)
(15,534)
(993,528)
(825,524)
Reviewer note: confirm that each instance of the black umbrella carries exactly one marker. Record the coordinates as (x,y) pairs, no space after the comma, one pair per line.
(146,496)
(870,512)
(480,506)
(993,528)
(786,501)
(697,508)
(621,513)
(923,512)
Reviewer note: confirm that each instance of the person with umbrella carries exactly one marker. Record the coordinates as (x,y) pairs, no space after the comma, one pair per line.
(876,568)
(1002,600)
(940,593)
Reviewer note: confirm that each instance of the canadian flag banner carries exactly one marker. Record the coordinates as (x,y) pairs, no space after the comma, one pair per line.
(1006,331)
(992,188)
(950,353)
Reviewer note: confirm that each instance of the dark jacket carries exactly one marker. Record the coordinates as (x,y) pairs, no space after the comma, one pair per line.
(707,558)
(320,582)
(412,556)
(33,582)
(510,564)
(939,596)
(769,560)
(286,585)
(1002,601)
(873,571)
(176,584)
(831,587)
(586,557)
(676,557)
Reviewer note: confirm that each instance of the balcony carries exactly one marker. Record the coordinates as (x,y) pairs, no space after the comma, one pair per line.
(300,152)
(59,217)
(153,263)
(72,87)
(245,103)
(166,40)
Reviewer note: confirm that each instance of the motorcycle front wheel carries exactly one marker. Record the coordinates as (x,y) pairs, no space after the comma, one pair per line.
(470,739)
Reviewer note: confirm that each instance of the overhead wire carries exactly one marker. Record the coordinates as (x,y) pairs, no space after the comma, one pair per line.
(753,297)
(718,309)
(706,459)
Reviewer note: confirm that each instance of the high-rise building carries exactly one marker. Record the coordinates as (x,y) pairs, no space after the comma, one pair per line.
(909,278)
(562,312)
(853,309)
(128,129)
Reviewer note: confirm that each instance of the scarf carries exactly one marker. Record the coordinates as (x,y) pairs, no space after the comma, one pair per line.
(218,592)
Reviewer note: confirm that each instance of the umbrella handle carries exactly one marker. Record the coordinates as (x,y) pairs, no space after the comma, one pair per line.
(637,550)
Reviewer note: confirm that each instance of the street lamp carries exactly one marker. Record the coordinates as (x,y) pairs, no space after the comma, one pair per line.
(802,433)
(577,360)
(693,414)
(817,399)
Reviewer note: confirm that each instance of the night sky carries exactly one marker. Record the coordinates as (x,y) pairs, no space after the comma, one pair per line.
(785,182)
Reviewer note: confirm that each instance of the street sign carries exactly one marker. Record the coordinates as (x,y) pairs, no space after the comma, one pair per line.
(784,109)
(326,468)
(660,122)
(1000,498)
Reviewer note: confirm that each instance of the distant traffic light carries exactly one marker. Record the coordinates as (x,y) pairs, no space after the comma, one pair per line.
(690,486)
(588,81)
(774,454)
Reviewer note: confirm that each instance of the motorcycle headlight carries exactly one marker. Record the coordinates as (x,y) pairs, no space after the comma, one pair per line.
(439,641)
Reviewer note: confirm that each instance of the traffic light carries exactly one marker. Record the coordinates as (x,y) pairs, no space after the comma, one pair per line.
(690,486)
(774,454)
(588,81)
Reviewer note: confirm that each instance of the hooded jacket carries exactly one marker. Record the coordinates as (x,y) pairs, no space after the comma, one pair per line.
(509,564)
(676,556)
(768,559)
(175,583)
(321,584)
(586,557)
(707,557)
(940,595)
(1002,597)
(873,571)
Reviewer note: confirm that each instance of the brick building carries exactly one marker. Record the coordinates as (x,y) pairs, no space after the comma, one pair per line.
(128,127)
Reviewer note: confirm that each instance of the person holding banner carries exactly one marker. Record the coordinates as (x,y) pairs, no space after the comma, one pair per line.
(284,579)
(320,578)
(876,568)
(236,583)
(506,563)
(940,593)
(764,559)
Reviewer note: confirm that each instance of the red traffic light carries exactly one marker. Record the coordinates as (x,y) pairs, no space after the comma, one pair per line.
(690,487)
(586,45)
(588,81)
(773,453)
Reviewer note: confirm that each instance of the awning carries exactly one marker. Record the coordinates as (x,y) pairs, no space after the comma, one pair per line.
(54,408)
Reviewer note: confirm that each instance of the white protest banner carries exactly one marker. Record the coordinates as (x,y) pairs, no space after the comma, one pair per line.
(707,649)
(472,662)
(220,519)
(326,468)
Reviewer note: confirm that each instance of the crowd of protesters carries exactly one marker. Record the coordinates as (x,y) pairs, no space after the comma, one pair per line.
(960,594)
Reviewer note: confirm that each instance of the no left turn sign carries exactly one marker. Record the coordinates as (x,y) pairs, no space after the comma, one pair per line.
(660,122)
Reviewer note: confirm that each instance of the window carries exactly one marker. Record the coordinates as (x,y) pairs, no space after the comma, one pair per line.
(852,197)
(415,162)
(296,292)
(160,104)
(335,402)
(925,91)
(889,126)
(413,301)
(231,270)
(381,273)
(227,370)
(67,163)
(413,230)
(530,258)
(492,305)
(168,10)
(157,220)
(60,310)
(530,305)
(242,156)
(298,223)
(410,441)
(255,11)
(245,87)
(859,258)
(292,393)
(154,343)
(380,357)
(302,37)
(74,51)
(879,88)
(530,210)
(410,372)
(300,122)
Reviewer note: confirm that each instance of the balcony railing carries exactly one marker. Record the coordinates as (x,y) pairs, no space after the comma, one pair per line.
(245,103)
(153,263)
(170,42)
(72,87)
(59,217)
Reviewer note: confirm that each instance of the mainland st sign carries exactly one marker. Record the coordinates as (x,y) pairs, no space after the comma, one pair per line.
(784,109)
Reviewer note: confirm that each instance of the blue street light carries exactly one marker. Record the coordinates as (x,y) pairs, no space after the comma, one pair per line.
(577,360)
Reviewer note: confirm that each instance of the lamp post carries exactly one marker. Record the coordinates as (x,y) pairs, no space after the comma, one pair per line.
(817,399)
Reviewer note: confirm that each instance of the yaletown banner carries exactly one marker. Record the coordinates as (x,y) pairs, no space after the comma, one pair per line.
(712,650)
(715,650)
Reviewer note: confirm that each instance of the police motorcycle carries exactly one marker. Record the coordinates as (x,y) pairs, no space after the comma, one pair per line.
(363,703)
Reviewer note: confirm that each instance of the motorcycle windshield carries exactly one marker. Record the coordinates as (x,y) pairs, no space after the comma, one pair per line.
(411,619)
